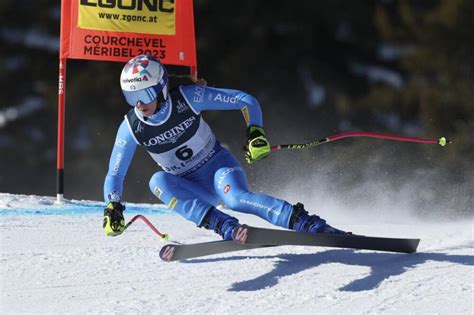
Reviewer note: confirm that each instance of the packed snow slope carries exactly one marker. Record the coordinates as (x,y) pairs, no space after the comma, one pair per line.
(56,259)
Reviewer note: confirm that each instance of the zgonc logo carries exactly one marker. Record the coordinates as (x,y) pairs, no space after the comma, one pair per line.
(136,5)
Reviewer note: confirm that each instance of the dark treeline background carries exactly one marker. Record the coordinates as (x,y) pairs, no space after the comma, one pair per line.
(317,68)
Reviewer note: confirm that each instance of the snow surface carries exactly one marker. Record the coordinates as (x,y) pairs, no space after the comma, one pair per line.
(56,259)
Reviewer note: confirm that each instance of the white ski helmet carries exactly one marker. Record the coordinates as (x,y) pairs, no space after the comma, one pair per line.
(144,79)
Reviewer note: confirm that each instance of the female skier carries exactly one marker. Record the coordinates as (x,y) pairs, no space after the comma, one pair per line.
(197,172)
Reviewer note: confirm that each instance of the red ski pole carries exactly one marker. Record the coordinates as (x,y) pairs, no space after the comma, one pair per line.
(163,236)
(441,141)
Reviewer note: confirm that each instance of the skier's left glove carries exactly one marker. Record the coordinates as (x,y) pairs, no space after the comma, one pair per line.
(114,222)
(257,146)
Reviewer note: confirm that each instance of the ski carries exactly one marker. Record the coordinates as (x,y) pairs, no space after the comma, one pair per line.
(174,252)
(248,237)
(244,234)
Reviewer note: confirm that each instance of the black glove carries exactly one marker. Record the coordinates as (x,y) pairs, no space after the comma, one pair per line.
(114,223)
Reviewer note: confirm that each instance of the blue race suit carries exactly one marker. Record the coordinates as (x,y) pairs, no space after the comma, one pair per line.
(197,172)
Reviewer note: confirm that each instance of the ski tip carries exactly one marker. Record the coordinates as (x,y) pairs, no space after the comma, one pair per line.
(167,252)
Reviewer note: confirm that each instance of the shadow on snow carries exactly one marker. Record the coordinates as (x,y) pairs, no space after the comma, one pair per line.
(382,266)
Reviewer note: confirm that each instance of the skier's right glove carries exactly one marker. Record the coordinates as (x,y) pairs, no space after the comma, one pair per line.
(114,222)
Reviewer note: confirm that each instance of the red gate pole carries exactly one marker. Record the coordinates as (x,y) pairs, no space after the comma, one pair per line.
(61,122)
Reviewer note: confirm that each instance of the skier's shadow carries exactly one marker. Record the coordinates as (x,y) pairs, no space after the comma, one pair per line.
(382,266)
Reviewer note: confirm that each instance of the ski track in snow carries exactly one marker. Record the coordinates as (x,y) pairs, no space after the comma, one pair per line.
(64,263)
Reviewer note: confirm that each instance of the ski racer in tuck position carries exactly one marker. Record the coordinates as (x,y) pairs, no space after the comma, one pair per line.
(197,172)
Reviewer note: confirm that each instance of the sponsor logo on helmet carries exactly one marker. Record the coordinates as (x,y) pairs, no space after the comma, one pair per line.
(137,65)
(133,80)
(172,135)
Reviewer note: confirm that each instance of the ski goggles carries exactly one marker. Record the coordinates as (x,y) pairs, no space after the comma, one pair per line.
(146,96)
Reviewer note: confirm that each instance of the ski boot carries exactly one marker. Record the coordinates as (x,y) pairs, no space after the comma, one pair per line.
(223,224)
(301,221)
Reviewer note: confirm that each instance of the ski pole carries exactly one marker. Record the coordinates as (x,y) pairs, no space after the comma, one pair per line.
(163,236)
(441,141)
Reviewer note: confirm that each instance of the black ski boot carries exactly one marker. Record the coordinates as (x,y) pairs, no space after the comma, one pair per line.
(301,221)
(223,224)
